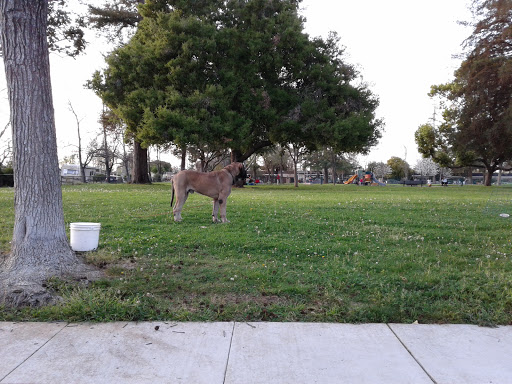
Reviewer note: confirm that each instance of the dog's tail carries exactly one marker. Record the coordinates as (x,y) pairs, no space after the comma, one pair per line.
(172,196)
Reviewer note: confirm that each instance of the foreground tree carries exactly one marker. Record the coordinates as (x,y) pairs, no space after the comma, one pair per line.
(39,248)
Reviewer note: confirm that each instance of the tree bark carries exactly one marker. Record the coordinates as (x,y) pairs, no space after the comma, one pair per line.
(333,162)
(295,175)
(183,158)
(469,173)
(488,177)
(140,164)
(39,248)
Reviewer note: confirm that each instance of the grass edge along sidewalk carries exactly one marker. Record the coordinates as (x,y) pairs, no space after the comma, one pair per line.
(314,253)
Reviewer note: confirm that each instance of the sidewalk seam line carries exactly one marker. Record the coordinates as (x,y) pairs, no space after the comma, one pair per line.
(412,355)
(33,353)
(229,353)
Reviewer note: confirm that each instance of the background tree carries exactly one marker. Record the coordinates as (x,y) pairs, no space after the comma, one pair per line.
(399,168)
(320,160)
(427,167)
(206,158)
(243,77)
(252,166)
(477,104)
(111,139)
(5,149)
(39,248)
(82,164)
(379,169)
(117,20)
(348,165)
(297,154)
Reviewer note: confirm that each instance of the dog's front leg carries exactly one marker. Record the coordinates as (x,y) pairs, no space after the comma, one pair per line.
(215,210)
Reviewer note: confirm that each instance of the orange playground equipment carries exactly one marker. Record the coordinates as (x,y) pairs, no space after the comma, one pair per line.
(351,180)
(366,179)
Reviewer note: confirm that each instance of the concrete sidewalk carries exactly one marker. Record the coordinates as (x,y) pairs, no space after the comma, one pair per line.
(249,353)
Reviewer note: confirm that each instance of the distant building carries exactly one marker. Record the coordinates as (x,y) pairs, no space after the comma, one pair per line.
(71,173)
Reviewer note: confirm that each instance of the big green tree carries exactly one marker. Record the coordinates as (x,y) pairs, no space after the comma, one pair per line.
(477,126)
(400,168)
(243,77)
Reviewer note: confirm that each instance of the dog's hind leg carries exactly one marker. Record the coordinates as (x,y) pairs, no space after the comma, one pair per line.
(222,204)
(215,210)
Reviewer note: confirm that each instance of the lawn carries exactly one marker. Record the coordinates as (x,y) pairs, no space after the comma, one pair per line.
(314,253)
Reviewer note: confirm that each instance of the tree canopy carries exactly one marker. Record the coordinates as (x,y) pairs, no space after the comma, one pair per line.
(400,169)
(477,125)
(240,75)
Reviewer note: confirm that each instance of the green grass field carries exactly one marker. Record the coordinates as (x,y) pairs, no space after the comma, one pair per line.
(313,253)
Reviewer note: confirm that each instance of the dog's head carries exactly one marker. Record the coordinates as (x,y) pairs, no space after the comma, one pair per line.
(242,172)
(237,170)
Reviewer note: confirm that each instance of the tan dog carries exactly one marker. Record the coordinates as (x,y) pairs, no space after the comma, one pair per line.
(216,184)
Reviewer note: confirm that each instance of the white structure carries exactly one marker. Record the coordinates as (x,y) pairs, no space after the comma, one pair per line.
(71,172)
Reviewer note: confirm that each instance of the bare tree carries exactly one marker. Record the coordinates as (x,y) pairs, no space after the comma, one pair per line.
(39,247)
(112,133)
(427,167)
(379,169)
(80,162)
(5,129)
(209,159)
(5,152)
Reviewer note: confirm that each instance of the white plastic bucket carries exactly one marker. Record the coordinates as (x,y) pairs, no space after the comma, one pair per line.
(84,236)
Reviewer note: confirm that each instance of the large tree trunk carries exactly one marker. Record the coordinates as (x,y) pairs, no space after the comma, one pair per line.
(488,177)
(334,173)
(295,175)
(183,158)
(39,247)
(140,164)
(469,176)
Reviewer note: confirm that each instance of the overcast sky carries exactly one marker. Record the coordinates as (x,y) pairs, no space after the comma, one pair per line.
(400,47)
